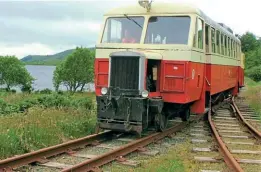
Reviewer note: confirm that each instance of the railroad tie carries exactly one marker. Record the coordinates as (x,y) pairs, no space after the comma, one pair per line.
(55,165)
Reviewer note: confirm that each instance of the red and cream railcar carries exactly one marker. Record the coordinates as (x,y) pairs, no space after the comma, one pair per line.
(162,61)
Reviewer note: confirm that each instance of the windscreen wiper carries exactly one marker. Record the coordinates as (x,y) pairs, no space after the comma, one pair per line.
(133,20)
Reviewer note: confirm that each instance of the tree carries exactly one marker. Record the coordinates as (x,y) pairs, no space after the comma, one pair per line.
(76,71)
(13,73)
(249,42)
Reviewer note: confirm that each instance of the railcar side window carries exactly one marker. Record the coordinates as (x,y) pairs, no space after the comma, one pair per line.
(200,34)
(225,45)
(213,38)
(229,47)
(123,30)
(234,49)
(168,30)
(207,38)
(218,41)
(222,44)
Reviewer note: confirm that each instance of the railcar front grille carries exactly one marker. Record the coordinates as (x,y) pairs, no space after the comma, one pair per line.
(124,72)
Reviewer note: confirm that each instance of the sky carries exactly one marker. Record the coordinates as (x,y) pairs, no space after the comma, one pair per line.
(46,27)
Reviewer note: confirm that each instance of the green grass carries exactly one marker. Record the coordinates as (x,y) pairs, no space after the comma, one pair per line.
(250,83)
(50,122)
(253,95)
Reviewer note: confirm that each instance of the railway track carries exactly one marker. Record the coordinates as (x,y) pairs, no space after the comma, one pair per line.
(227,140)
(80,153)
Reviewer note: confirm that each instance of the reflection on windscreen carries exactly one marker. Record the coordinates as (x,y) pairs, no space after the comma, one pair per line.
(123,30)
(168,30)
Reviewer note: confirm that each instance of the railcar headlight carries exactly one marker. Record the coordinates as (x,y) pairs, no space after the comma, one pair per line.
(144,93)
(104,90)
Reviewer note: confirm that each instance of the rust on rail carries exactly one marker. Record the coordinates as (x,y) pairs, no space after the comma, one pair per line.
(31,157)
(228,157)
(249,126)
(95,163)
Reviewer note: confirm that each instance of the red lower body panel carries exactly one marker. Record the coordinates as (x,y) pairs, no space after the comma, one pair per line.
(241,77)
(221,78)
(183,81)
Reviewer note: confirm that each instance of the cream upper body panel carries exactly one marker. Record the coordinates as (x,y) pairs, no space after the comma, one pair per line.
(157,8)
(177,52)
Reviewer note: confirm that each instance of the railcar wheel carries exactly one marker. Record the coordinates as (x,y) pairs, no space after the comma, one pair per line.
(161,121)
(185,115)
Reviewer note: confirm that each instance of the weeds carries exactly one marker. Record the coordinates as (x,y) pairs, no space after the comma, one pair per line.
(253,95)
(35,121)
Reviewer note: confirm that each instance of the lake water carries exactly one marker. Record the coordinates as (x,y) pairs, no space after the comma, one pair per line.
(44,76)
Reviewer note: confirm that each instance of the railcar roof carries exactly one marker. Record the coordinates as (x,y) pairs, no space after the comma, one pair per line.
(168,8)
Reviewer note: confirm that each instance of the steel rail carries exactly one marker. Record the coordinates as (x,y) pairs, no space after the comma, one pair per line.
(25,159)
(228,157)
(95,163)
(244,121)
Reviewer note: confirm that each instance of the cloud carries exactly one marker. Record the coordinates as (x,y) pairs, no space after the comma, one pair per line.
(21,51)
(40,27)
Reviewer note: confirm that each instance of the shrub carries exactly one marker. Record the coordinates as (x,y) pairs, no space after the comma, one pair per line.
(54,100)
(46,91)
(85,103)
(254,73)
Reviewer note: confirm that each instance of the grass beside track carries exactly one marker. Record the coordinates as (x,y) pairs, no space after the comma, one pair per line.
(253,95)
(30,122)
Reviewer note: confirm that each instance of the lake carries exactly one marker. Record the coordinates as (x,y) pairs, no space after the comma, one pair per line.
(44,76)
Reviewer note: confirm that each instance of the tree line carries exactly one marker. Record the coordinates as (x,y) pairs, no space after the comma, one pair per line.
(73,73)
(251,47)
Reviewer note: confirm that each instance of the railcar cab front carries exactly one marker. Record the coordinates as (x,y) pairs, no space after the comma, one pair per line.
(146,69)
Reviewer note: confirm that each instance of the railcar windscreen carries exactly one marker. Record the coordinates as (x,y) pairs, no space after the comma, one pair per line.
(168,30)
(123,30)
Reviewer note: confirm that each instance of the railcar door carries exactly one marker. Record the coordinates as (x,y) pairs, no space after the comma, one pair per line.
(198,68)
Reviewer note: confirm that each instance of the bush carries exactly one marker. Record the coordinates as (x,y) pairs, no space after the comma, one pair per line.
(254,73)
(54,100)
(46,91)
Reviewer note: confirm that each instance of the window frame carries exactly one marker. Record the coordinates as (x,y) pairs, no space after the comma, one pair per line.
(213,42)
(109,17)
(147,26)
(203,33)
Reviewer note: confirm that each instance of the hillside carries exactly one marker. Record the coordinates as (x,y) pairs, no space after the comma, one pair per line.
(46,59)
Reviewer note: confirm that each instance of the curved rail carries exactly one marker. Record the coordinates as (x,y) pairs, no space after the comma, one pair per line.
(14,162)
(95,163)
(228,157)
(249,126)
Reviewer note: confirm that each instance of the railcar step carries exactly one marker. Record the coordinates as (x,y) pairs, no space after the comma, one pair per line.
(206,159)
(249,161)
(245,152)
(56,165)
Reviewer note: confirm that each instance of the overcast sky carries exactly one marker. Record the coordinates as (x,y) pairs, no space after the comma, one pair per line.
(48,27)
